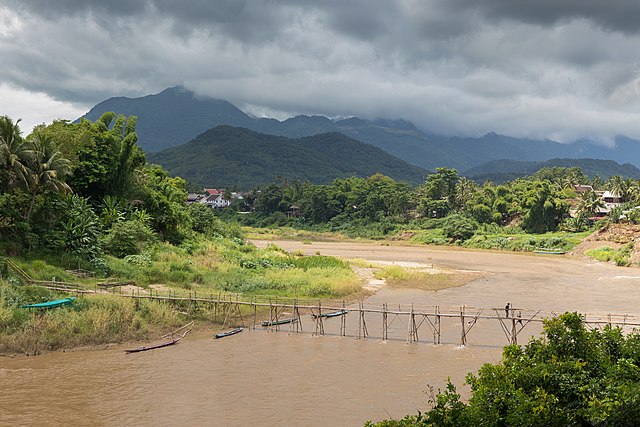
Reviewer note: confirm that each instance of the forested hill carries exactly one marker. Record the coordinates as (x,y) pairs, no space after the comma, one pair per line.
(500,171)
(233,157)
(176,115)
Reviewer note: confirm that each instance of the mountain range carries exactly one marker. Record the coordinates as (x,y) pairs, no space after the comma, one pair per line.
(176,116)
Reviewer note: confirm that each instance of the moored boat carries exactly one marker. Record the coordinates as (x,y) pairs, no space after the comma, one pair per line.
(333,314)
(279,322)
(228,333)
(153,347)
(51,304)
(548,252)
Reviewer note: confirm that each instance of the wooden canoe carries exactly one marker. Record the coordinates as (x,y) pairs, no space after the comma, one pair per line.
(333,314)
(227,333)
(167,343)
(279,322)
(153,347)
(548,252)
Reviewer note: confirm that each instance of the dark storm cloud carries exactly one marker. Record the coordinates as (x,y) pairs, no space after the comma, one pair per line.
(539,68)
(611,15)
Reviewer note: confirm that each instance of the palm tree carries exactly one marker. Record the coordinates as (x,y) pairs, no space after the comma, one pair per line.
(14,154)
(634,191)
(47,168)
(618,186)
(465,189)
(590,203)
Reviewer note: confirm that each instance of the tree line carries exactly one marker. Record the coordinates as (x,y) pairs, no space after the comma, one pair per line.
(538,203)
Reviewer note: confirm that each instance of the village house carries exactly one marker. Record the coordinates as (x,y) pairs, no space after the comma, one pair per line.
(582,188)
(214,198)
(194,198)
(610,200)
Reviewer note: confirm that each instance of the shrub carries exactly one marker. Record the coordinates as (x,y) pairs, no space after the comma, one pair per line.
(127,238)
(459,227)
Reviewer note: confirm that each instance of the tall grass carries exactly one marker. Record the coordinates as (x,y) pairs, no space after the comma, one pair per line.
(93,320)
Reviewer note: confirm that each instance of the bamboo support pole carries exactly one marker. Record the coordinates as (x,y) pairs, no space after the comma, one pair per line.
(319,320)
(385,325)
(343,322)
(463,336)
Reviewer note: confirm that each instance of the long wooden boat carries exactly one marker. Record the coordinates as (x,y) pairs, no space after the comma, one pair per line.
(153,347)
(167,343)
(333,314)
(228,333)
(548,252)
(51,304)
(279,322)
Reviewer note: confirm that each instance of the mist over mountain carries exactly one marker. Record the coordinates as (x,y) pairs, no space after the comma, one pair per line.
(177,115)
(500,171)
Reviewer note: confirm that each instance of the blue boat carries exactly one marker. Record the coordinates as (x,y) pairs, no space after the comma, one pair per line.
(51,304)
(228,333)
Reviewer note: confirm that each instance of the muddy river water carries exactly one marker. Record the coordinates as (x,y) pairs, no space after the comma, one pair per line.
(268,378)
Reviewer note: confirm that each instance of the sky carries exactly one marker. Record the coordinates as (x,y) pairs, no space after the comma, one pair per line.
(558,69)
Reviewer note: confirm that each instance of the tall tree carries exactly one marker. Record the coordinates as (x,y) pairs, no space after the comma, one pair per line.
(618,186)
(14,155)
(437,196)
(47,168)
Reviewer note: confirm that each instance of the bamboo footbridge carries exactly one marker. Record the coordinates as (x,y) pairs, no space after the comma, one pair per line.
(397,322)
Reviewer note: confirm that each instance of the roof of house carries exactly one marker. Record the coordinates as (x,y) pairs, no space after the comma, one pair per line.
(609,194)
(582,187)
(212,191)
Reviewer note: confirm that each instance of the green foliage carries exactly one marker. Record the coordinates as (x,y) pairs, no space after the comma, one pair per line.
(518,240)
(164,200)
(127,237)
(459,227)
(570,377)
(104,159)
(620,256)
(204,221)
(542,211)
(574,225)
(438,194)
(79,228)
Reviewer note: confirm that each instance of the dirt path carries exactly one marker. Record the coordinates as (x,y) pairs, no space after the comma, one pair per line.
(551,283)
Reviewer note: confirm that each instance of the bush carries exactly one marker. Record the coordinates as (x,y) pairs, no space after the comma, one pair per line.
(459,227)
(127,238)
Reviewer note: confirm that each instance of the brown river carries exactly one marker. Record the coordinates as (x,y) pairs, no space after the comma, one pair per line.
(268,378)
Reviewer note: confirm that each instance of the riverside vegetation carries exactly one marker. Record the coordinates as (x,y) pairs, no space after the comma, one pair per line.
(522,215)
(82,196)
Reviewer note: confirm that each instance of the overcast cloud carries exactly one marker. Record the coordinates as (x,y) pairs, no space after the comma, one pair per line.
(545,69)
